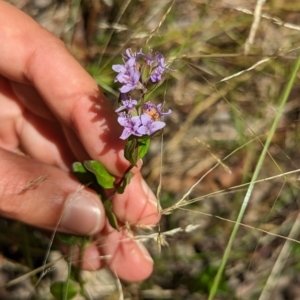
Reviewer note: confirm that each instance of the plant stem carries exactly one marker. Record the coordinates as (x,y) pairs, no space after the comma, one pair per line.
(283,99)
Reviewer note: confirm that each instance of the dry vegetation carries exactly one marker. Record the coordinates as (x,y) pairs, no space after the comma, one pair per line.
(232,60)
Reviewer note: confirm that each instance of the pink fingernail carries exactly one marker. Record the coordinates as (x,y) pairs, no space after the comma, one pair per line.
(144,252)
(82,214)
(149,194)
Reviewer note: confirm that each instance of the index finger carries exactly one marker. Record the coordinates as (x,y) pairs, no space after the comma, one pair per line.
(32,55)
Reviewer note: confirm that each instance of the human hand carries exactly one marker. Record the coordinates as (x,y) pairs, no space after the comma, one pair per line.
(53,111)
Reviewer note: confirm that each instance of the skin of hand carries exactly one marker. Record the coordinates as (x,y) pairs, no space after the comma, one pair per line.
(53,111)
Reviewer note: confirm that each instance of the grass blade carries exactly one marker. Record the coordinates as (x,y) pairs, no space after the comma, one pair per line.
(282,102)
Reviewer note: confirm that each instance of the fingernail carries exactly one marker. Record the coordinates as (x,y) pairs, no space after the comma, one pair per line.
(149,194)
(144,252)
(82,214)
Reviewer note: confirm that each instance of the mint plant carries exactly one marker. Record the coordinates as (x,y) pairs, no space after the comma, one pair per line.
(140,121)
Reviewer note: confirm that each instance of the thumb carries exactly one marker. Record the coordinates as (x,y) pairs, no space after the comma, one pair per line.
(47,197)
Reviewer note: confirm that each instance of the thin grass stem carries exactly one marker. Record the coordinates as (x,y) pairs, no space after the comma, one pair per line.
(282,101)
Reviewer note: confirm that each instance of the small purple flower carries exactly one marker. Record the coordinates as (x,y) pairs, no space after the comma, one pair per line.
(138,118)
(155,111)
(160,60)
(127,75)
(161,113)
(159,69)
(128,105)
(149,58)
(148,126)
(145,124)
(130,124)
(157,74)
(128,54)
(133,56)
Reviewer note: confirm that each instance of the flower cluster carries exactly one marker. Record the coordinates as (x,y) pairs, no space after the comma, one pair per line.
(139,71)
(139,124)
(129,74)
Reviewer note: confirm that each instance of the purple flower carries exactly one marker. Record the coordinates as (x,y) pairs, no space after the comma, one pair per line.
(130,124)
(157,74)
(136,117)
(145,124)
(128,105)
(130,55)
(149,58)
(148,126)
(159,69)
(157,63)
(161,113)
(128,75)
(155,111)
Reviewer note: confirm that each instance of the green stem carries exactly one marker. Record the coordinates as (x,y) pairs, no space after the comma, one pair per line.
(66,290)
(283,99)
(84,242)
(123,178)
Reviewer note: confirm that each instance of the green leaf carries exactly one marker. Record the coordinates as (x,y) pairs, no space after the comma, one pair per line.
(87,178)
(83,175)
(104,179)
(69,239)
(64,290)
(130,152)
(136,148)
(124,183)
(145,72)
(110,215)
(143,147)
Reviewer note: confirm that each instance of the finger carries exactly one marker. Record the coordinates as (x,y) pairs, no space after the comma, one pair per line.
(70,93)
(90,259)
(34,129)
(31,99)
(40,138)
(44,140)
(46,197)
(137,205)
(127,258)
(74,143)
